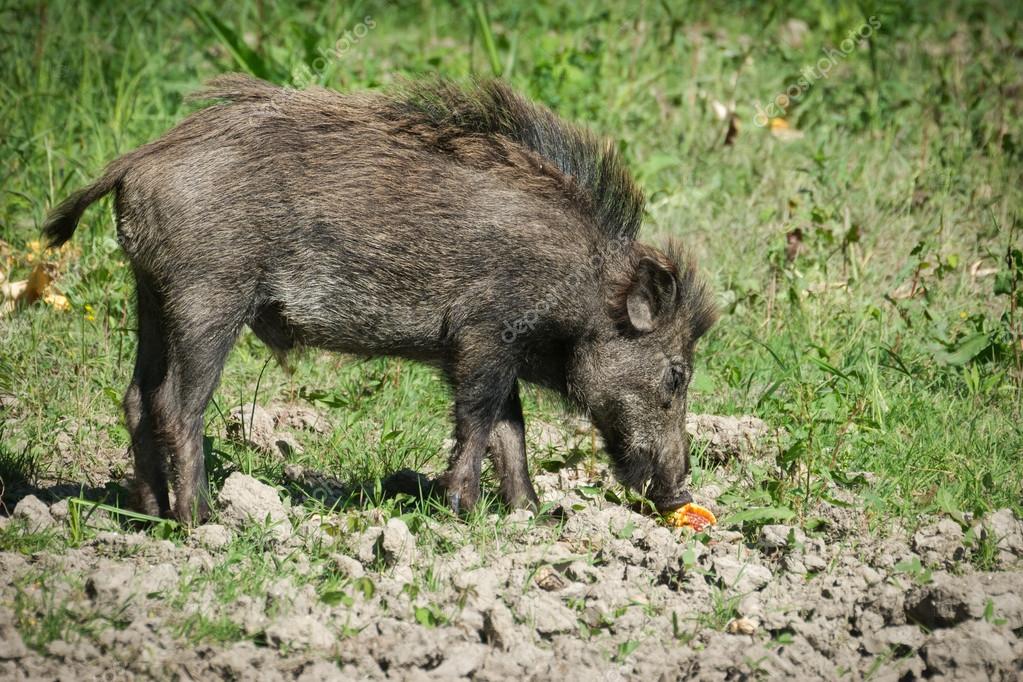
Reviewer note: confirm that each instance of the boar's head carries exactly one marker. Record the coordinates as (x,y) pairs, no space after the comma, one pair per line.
(632,373)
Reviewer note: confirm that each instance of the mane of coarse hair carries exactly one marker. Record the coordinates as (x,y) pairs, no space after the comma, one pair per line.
(596,175)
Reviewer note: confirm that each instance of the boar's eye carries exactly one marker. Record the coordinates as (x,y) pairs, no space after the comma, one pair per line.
(675,380)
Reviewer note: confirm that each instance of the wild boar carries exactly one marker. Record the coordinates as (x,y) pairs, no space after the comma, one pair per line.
(461,226)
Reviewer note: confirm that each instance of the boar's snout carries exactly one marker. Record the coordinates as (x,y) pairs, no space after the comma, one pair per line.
(658,467)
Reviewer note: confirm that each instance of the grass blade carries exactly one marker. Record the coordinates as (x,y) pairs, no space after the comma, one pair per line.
(245,57)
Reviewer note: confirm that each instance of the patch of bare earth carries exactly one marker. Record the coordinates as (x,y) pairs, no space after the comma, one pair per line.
(609,594)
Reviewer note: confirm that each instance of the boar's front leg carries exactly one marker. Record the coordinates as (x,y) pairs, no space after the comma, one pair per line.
(482,385)
(508,451)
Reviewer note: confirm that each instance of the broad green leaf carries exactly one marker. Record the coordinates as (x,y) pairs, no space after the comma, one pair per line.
(965,350)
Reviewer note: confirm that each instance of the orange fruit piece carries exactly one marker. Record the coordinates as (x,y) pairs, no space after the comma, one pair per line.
(691,515)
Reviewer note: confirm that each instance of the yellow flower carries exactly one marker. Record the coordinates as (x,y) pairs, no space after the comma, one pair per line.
(90,314)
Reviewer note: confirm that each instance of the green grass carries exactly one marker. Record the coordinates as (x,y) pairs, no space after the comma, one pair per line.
(883,345)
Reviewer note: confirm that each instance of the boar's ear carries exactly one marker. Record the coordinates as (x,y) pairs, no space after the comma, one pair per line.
(651,294)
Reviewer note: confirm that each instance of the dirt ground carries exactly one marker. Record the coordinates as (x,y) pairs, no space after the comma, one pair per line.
(606,594)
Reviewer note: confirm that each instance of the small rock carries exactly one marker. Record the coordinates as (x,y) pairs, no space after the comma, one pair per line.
(60,649)
(160,578)
(482,582)
(1006,531)
(728,537)
(949,599)
(547,578)
(121,542)
(11,564)
(8,401)
(249,613)
(776,536)
(547,614)
(793,32)
(287,444)
(869,575)
(59,510)
(708,493)
(212,536)
(742,577)
(460,661)
(943,603)
(814,562)
(545,436)
(883,640)
(366,544)
(112,583)
(299,417)
(939,543)
(300,632)
(499,627)
(393,544)
(398,544)
(742,626)
(252,425)
(316,530)
(243,500)
(35,515)
(519,517)
(347,566)
(794,564)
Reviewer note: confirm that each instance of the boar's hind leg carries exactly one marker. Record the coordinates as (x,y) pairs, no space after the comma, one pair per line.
(508,451)
(481,390)
(150,487)
(195,338)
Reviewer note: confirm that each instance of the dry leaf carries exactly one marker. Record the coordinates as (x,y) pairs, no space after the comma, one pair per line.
(733,130)
(12,291)
(720,110)
(793,243)
(781,129)
(58,301)
(35,288)
(978,270)
(38,283)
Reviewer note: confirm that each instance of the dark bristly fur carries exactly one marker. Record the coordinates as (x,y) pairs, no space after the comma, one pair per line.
(461,226)
(492,109)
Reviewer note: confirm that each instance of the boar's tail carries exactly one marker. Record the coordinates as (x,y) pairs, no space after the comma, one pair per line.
(61,222)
